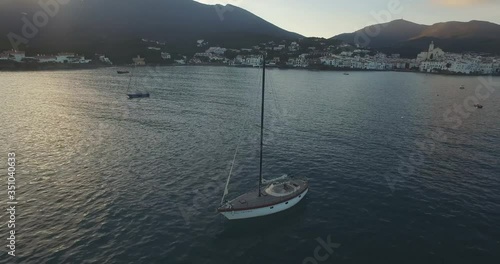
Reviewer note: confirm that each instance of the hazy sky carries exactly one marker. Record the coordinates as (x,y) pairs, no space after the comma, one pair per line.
(326,18)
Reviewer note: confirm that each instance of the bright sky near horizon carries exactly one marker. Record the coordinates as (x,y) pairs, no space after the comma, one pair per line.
(327,18)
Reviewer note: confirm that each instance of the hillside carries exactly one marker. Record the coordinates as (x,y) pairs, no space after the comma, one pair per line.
(407,38)
(114,25)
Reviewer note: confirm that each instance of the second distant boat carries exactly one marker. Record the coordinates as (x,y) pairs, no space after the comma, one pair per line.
(123,72)
(138,95)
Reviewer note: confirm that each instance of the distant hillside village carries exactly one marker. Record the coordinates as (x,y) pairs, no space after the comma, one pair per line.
(435,60)
(309,53)
(20,56)
(60,58)
(347,57)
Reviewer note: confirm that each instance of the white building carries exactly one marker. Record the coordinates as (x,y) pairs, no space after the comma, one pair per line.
(15,55)
(72,58)
(357,64)
(496,68)
(485,68)
(64,57)
(79,60)
(346,54)
(460,67)
(432,54)
(201,42)
(166,56)
(253,60)
(330,61)
(138,61)
(301,61)
(380,56)
(4,56)
(46,58)
(104,59)
(431,66)
(209,56)
(376,66)
(202,54)
(294,46)
(238,60)
(216,50)
(218,58)
(250,60)
(279,47)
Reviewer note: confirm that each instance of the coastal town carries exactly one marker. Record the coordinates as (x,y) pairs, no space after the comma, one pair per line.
(312,53)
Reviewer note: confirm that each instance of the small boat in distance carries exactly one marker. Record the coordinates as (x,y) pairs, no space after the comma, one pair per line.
(271,65)
(462,87)
(478,106)
(138,95)
(123,72)
(346,73)
(135,94)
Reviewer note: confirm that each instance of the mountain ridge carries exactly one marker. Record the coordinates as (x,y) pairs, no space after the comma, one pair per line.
(101,25)
(409,38)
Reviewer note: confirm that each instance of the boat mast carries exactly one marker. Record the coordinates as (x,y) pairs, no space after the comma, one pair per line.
(262,120)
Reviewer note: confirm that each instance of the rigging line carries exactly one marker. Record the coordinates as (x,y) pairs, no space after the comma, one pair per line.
(226,189)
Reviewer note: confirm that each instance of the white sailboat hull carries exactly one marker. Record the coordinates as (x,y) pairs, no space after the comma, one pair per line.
(263,211)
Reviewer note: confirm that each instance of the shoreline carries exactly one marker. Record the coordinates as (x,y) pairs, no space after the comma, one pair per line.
(72,67)
(16,67)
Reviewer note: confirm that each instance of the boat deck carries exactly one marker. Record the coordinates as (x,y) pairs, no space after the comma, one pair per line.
(271,195)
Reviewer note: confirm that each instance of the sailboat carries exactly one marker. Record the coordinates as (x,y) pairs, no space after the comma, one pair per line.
(136,94)
(271,196)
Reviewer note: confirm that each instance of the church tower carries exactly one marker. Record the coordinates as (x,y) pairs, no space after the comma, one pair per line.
(430,54)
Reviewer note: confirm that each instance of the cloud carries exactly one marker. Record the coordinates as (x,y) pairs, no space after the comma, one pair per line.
(455,3)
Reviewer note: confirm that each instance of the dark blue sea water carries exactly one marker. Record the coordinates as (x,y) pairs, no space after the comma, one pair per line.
(396,175)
